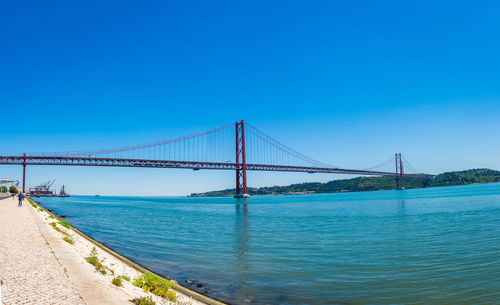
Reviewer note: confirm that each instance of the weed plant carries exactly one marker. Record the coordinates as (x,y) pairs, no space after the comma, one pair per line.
(31,202)
(143,301)
(124,277)
(117,281)
(94,261)
(157,285)
(55,227)
(64,223)
(69,240)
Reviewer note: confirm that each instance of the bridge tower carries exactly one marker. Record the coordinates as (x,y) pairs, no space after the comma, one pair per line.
(241,163)
(399,172)
(24,170)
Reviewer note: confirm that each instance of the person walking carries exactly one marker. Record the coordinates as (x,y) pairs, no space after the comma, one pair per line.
(20,204)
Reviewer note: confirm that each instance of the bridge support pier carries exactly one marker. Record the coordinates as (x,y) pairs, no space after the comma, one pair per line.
(241,163)
(399,173)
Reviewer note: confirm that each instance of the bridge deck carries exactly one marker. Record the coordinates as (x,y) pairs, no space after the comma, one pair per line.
(196,165)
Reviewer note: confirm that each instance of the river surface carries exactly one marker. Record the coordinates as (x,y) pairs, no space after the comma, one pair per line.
(427,246)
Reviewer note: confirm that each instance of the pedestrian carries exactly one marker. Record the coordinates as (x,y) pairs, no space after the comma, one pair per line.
(20,204)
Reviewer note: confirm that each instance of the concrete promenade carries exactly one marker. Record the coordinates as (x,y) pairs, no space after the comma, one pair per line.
(30,271)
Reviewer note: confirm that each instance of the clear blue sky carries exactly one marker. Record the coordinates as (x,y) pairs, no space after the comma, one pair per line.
(346,82)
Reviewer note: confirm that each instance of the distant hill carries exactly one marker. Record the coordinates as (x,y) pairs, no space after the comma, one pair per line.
(359,184)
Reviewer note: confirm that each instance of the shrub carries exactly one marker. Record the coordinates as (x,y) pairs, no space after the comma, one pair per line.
(69,240)
(51,217)
(143,301)
(155,284)
(64,223)
(117,281)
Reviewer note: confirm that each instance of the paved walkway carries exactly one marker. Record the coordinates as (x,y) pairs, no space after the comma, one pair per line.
(30,271)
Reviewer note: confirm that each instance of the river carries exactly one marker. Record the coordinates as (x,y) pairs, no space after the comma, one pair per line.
(423,246)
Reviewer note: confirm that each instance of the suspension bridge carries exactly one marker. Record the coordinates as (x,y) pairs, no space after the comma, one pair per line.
(238,146)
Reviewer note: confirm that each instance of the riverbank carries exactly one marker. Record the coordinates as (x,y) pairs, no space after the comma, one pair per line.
(363,184)
(185,296)
(40,255)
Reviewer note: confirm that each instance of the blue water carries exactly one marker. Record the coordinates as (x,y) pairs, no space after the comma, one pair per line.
(427,246)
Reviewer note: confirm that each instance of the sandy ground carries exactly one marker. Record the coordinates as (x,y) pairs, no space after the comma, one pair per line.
(38,267)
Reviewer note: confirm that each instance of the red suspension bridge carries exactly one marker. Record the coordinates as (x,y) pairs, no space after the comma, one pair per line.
(240,147)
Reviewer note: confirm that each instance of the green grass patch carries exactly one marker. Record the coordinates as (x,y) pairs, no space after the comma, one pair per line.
(94,260)
(51,217)
(157,285)
(143,301)
(69,240)
(171,295)
(117,281)
(55,227)
(64,223)
(31,202)
(100,268)
(124,277)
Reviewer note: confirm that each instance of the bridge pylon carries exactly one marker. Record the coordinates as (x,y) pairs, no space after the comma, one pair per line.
(399,172)
(241,163)
(24,170)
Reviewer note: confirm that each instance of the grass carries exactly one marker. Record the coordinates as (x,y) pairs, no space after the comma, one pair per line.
(69,240)
(171,295)
(64,223)
(125,278)
(31,202)
(117,281)
(143,301)
(157,285)
(100,268)
(51,217)
(55,227)
(94,260)
(40,209)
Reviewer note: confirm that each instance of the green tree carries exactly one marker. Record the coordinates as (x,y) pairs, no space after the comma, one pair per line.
(4,189)
(13,189)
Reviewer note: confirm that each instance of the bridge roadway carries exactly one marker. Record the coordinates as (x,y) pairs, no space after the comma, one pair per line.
(195,165)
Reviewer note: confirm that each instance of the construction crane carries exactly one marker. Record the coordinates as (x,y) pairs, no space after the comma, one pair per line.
(43,188)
